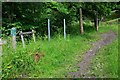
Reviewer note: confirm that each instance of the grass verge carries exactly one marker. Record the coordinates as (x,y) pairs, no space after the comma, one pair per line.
(105,63)
(59,55)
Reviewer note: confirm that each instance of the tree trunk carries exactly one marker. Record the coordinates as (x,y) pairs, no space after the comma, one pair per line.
(96,22)
(81,23)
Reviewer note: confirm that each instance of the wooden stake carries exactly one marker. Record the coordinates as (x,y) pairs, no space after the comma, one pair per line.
(0,47)
(22,39)
(14,42)
(96,21)
(0,58)
(13,34)
(1,43)
(33,35)
(81,22)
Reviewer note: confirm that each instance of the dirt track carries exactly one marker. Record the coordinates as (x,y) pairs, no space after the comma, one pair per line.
(106,38)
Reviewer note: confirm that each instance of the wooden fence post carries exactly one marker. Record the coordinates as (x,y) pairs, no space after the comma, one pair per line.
(49,29)
(22,39)
(64,30)
(0,44)
(33,35)
(0,47)
(96,20)
(81,22)
(13,34)
(0,57)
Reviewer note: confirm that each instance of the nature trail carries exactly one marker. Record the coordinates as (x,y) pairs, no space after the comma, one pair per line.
(83,66)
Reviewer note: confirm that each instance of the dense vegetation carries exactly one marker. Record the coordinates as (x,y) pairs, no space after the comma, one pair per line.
(59,55)
(26,16)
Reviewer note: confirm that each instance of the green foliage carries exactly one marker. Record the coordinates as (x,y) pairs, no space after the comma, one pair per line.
(26,16)
(59,55)
(55,63)
(17,62)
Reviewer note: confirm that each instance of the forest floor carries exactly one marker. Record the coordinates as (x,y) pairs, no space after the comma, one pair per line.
(84,65)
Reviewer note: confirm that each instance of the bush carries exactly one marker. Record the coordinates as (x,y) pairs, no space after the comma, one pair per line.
(19,61)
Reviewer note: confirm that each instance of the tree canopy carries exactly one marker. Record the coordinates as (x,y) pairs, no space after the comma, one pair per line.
(34,15)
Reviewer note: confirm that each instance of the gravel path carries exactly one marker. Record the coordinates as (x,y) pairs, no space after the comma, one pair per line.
(106,38)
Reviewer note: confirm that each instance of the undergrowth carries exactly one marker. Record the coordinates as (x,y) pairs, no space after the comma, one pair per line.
(59,54)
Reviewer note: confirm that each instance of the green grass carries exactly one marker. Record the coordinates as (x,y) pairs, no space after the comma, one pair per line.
(59,55)
(104,27)
(105,63)
(114,20)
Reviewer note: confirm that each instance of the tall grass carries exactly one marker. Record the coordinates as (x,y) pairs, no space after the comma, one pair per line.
(59,55)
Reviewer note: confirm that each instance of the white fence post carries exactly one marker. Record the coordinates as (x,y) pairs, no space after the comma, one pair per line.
(64,30)
(49,29)
(22,39)
(13,34)
(33,35)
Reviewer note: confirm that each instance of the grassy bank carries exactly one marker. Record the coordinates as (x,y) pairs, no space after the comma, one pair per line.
(59,54)
(105,64)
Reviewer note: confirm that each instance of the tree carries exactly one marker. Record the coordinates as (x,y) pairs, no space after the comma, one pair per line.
(34,15)
(81,22)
